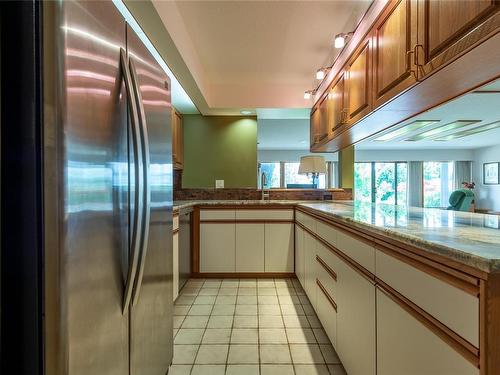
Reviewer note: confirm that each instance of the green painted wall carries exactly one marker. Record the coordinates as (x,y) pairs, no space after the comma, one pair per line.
(219,148)
(346,162)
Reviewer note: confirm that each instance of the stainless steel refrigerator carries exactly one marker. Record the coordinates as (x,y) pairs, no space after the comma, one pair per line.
(107,196)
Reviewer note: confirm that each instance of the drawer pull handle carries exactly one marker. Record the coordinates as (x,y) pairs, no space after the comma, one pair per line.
(327,295)
(326,267)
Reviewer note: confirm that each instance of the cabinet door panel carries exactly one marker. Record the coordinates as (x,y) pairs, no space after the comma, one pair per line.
(356,321)
(359,85)
(327,315)
(279,245)
(249,247)
(310,244)
(217,247)
(336,106)
(315,126)
(405,346)
(395,36)
(448,28)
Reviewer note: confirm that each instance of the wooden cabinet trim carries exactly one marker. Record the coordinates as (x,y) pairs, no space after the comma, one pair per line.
(195,240)
(327,295)
(462,346)
(489,326)
(327,268)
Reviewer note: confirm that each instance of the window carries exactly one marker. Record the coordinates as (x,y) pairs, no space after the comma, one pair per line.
(438,183)
(381,182)
(363,181)
(280,174)
(272,172)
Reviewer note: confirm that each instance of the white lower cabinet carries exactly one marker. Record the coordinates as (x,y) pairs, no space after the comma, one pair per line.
(250,247)
(217,247)
(310,273)
(356,337)
(279,247)
(299,253)
(327,315)
(407,347)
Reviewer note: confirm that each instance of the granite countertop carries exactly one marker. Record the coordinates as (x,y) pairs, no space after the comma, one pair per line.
(179,205)
(469,238)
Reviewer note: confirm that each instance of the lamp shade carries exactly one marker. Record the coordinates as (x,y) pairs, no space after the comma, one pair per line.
(312,164)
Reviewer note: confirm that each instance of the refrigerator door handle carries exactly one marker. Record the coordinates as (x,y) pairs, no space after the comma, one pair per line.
(138,180)
(147,189)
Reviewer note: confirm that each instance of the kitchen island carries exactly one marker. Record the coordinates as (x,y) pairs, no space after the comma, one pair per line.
(398,290)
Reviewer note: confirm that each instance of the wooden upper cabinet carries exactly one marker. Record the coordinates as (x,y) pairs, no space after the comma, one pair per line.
(359,74)
(449,28)
(315,126)
(336,103)
(177,140)
(319,122)
(394,41)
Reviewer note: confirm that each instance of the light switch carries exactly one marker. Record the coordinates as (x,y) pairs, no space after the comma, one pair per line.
(219,184)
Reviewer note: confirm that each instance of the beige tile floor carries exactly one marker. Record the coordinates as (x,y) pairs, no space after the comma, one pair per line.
(249,327)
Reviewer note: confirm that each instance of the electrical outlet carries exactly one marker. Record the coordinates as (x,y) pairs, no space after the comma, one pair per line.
(219,184)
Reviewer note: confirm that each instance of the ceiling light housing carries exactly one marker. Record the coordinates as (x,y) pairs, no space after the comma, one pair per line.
(415,125)
(437,132)
(340,39)
(308,94)
(321,73)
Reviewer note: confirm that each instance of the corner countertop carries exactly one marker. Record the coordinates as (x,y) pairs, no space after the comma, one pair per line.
(469,238)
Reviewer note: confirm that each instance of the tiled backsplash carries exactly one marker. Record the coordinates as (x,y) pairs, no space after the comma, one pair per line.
(255,194)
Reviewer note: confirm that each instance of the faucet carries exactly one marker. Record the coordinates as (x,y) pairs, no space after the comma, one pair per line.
(263,182)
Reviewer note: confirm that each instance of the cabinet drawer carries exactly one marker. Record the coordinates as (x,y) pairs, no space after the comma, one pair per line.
(217,214)
(264,214)
(326,266)
(308,221)
(359,251)
(450,305)
(327,232)
(407,347)
(326,309)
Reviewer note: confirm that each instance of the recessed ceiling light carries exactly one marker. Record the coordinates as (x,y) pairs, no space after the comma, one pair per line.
(419,124)
(442,129)
(245,112)
(466,133)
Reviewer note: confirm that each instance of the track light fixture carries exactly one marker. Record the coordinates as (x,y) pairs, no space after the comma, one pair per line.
(309,93)
(321,73)
(340,39)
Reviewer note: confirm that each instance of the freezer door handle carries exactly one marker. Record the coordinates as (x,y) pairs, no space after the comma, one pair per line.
(138,182)
(147,190)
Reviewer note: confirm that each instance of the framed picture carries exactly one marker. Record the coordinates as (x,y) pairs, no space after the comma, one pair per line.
(490,173)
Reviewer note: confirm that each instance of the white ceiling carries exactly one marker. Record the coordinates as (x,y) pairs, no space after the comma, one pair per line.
(484,107)
(257,54)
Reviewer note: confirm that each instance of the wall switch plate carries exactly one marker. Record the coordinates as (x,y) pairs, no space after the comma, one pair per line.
(219,184)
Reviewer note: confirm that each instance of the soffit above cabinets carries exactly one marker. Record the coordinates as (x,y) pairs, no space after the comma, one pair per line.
(256,54)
